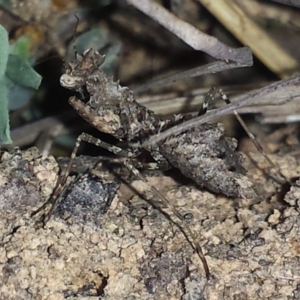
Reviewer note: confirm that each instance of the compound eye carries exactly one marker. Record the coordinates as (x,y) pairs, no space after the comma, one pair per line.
(70,82)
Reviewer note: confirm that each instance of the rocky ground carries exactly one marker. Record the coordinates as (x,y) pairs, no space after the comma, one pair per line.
(104,242)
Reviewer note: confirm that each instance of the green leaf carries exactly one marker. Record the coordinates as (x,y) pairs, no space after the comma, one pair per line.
(18,96)
(20,71)
(21,47)
(4,117)
(6,3)
(4,50)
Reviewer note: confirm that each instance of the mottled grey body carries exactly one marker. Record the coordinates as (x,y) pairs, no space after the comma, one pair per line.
(203,154)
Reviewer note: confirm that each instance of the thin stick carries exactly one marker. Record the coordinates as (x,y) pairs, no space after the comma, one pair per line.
(234,16)
(288,2)
(211,68)
(191,35)
(247,99)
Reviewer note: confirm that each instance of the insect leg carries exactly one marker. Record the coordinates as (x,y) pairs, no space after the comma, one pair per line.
(209,97)
(60,185)
(254,140)
(184,228)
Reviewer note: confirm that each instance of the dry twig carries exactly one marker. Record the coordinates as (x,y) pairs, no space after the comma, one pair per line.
(191,35)
(245,99)
(234,18)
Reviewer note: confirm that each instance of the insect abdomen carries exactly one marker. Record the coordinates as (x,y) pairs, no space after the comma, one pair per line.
(205,155)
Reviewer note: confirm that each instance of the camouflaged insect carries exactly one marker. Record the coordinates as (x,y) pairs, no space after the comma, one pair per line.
(203,154)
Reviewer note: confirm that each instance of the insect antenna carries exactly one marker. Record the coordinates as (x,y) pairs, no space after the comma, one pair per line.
(74,36)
